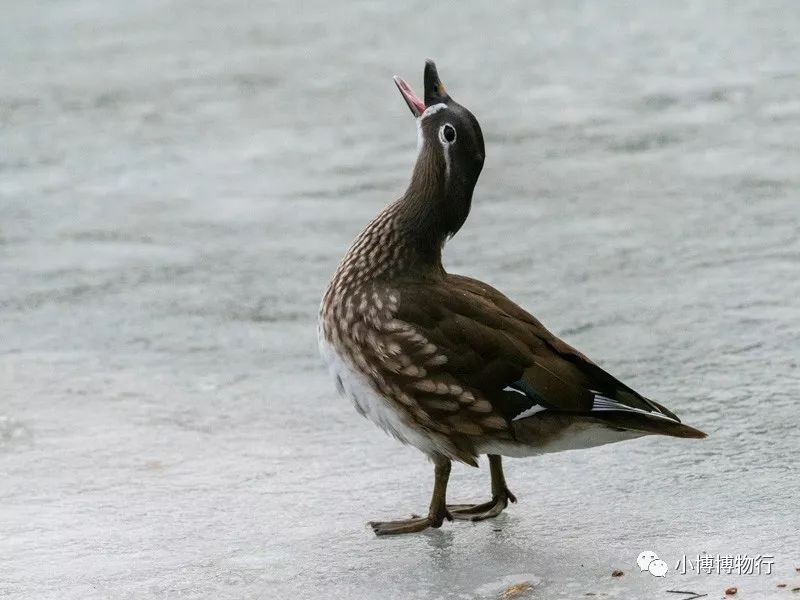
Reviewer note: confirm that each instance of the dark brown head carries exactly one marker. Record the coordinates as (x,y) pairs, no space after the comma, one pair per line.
(451,154)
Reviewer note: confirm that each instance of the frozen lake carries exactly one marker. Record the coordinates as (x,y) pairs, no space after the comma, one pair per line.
(178,182)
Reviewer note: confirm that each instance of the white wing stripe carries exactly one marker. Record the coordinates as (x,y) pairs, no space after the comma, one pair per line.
(603,403)
(536,408)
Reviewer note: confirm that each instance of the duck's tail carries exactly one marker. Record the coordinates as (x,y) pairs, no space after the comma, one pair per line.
(556,431)
(652,423)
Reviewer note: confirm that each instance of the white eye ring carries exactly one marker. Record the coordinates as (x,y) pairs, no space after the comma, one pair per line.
(447,134)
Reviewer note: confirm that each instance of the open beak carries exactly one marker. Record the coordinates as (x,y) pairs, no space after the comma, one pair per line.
(434,90)
(416,105)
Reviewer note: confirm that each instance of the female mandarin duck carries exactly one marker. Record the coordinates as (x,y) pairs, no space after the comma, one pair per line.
(447,363)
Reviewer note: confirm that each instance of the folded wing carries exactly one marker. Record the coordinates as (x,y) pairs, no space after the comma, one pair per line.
(494,346)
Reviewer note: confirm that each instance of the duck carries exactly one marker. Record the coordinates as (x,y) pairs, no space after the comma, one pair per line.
(446,363)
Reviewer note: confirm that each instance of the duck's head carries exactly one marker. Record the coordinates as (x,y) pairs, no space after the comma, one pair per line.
(451,150)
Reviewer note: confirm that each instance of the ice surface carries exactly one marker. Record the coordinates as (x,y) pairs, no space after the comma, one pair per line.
(179,180)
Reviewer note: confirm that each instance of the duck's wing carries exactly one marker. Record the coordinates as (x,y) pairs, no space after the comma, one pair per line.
(489,343)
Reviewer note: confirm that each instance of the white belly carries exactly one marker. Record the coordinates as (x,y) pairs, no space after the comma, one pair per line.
(369,402)
(577,437)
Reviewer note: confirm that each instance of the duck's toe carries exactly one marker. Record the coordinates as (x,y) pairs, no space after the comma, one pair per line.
(412,525)
(485,510)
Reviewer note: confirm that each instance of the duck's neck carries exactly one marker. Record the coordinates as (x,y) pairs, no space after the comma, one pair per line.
(432,209)
(406,238)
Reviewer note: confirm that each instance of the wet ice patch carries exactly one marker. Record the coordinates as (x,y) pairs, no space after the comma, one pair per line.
(13,433)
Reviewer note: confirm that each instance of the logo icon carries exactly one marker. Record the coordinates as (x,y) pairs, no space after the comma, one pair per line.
(658,568)
(649,561)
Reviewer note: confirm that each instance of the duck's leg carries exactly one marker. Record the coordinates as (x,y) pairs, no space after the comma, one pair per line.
(437,512)
(501,496)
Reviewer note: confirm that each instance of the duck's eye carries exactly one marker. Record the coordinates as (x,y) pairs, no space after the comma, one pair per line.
(447,133)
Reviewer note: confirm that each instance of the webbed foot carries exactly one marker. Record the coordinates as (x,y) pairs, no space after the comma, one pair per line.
(480,512)
(412,525)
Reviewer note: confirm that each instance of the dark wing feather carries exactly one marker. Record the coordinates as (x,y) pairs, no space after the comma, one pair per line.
(491,343)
